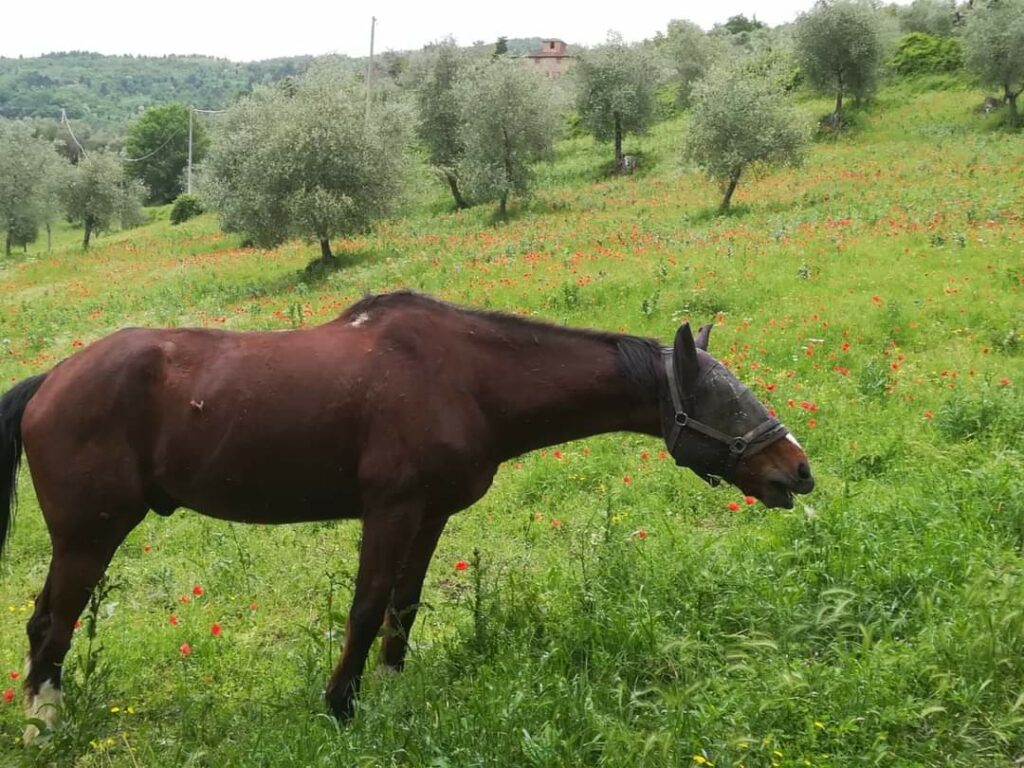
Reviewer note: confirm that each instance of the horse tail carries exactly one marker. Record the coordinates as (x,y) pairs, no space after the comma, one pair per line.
(12,406)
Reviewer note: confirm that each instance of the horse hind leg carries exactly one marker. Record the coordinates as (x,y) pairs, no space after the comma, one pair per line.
(80,558)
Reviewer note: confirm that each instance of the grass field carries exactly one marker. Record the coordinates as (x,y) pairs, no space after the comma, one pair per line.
(615,611)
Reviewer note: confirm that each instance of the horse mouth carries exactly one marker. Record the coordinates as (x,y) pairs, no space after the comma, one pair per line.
(779,496)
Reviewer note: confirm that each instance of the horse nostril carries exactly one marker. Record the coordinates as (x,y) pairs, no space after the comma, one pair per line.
(804,471)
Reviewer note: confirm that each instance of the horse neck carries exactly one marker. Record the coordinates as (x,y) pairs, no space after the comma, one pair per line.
(548,391)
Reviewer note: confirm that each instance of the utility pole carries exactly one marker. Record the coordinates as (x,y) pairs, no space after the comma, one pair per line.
(188,177)
(369,69)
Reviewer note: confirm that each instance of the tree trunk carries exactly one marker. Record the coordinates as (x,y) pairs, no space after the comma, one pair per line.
(325,251)
(503,205)
(7,247)
(49,237)
(839,106)
(460,201)
(1011,99)
(618,141)
(727,200)
(88,233)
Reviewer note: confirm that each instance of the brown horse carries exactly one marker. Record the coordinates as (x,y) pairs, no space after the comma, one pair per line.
(398,413)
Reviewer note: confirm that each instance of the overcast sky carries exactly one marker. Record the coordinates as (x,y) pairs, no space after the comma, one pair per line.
(262,29)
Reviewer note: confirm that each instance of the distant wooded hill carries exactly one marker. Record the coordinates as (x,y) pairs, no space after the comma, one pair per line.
(105,91)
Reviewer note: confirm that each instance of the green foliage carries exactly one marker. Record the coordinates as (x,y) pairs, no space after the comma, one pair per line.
(740,120)
(97,195)
(185,207)
(306,162)
(690,53)
(511,120)
(30,173)
(157,146)
(922,54)
(109,90)
(994,47)
(440,115)
(929,17)
(839,45)
(616,88)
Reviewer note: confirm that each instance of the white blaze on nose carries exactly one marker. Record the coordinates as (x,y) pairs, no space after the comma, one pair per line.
(361,318)
(793,440)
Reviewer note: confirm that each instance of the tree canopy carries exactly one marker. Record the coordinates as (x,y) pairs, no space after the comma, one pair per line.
(616,87)
(839,44)
(510,119)
(308,161)
(740,119)
(994,48)
(157,147)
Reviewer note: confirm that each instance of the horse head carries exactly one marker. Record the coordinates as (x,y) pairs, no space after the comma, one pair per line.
(714,425)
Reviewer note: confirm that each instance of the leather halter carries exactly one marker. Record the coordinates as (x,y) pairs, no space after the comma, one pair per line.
(740,447)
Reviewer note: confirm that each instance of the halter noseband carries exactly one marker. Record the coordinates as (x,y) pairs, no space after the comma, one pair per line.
(754,441)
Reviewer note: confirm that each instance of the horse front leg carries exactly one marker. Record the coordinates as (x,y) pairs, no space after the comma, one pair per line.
(405,602)
(387,536)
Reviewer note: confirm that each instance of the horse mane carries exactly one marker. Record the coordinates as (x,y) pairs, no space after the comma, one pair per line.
(639,357)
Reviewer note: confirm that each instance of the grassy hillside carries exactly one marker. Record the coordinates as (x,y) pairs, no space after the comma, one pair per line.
(616,611)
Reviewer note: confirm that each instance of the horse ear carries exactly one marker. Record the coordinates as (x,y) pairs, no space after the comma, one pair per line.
(702,336)
(685,357)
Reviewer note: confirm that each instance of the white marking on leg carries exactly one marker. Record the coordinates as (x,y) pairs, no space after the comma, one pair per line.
(361,318)
(793,440)
(44,706)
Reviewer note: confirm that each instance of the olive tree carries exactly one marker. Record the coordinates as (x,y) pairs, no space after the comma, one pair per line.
(97,195)
(740,119)
(28,167)
(440,116)
(691,53)
(994,47)
(510,120)
(616,87)
(308,161)
(839,45)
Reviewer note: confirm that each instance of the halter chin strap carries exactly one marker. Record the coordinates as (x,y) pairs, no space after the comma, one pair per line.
(754,441)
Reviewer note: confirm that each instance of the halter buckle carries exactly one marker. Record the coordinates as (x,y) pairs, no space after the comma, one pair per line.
(738,446)
(682,419)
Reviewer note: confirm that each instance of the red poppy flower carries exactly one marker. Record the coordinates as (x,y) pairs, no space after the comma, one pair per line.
(76,343)
(812,423)
(662,455)
(641,534)
(173,620)
(14,675)
(929,415)
(184,599)
(8,696)
(627,480)
(748,500)
(644,456)
(734,507)
(185,649)
(198,590)
(253,606)
(461,565)
(558,455)
(556,523)
(78,623)
(147,548)
(216,630)
(1004,382)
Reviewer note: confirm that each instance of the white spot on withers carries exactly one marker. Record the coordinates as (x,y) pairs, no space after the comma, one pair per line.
(361,318)
(793,440)
(43,706)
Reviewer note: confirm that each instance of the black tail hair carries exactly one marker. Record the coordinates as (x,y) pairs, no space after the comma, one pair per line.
(12,406)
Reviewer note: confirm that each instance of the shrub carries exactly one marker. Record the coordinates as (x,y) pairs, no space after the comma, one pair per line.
(922,54)
(185,207)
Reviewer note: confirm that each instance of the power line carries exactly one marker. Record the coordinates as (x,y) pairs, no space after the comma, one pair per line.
(67,124)
(175,135)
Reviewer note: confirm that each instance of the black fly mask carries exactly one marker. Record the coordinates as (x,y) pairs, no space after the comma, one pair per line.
(711,421)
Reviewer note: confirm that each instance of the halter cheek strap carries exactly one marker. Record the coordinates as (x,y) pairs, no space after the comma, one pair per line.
(754,441)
